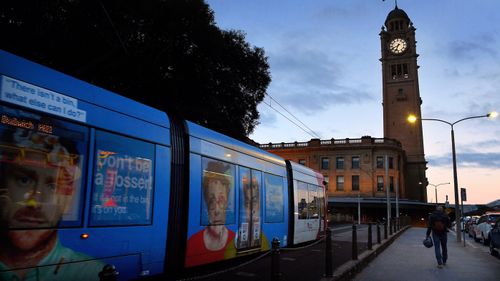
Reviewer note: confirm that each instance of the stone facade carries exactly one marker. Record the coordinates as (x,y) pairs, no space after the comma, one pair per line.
(351,166)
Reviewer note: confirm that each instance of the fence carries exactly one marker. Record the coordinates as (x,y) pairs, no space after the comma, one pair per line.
(271,264)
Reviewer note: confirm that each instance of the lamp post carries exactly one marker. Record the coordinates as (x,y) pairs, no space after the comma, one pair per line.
(413,119)
(359,209)
(435,189)
(388,197)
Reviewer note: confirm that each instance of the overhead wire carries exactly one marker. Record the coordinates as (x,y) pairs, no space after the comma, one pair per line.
(309,131)
(114,28)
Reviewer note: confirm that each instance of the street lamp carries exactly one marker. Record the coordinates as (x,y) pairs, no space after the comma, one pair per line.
(413,119)
(435,189)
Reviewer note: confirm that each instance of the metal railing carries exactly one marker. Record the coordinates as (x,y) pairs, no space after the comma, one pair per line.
(396,224)
(332,142)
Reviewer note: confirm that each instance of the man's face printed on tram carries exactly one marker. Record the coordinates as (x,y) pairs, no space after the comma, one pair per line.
(36,187)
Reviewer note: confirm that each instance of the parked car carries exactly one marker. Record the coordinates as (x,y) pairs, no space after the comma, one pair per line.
(468,220)
(484,226)
(495,238)
(471,226)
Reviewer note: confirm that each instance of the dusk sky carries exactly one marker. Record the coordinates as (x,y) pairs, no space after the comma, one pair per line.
(324,62)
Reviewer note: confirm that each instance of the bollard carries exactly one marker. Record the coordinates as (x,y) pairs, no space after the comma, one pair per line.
(390,226)
(385,230)
(108,273)
(354,243)
(275,260)
(378,233)
(394,225)
(328,254)
(370,236)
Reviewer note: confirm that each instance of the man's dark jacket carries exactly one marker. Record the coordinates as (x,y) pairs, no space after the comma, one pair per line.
(438,216)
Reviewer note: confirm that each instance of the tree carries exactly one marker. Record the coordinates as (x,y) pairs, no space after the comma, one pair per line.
(167,54)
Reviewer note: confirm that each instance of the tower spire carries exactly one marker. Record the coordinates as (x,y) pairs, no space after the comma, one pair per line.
(395,4)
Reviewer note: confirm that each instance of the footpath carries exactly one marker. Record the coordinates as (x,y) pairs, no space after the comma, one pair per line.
(406,259)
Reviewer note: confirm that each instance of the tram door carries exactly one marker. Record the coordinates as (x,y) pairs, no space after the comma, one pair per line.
(249,226)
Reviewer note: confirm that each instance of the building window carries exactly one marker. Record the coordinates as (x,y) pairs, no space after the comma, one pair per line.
(340,183)
(391,163)
(340,163)
(326,179)
(399,71)
(302,162)
(355,183)
(325,163)
(380,162)
(380,183)
(401,96)
(355,162)
(391,184)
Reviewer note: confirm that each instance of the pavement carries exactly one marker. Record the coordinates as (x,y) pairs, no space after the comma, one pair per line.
(407,259)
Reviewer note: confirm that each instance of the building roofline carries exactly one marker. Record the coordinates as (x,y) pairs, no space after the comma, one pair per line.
(338,143)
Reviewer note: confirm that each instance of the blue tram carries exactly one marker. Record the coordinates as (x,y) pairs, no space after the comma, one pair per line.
(89,178)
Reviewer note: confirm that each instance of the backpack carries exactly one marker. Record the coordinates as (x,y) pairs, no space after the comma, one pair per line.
(438,226)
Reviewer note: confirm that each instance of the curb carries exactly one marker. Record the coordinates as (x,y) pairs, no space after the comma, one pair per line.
(349,269)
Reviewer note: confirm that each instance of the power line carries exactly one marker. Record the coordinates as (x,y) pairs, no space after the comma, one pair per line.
(309,131)
(114,28)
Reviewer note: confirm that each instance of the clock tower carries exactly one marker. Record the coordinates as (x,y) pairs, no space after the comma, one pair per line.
(401,97)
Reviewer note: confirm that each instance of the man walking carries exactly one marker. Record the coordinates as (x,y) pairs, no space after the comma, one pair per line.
(438,223)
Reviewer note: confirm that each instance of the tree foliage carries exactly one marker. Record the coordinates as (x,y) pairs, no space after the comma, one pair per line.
(167,54)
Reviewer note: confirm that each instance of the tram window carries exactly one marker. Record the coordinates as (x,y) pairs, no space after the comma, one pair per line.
(321,199)
(302,199)
(42,165)
(274,204)
(217,192)
(312,205)
(249,223)
(122,192)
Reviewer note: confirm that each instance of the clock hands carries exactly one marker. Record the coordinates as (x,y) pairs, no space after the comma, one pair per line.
(398,46)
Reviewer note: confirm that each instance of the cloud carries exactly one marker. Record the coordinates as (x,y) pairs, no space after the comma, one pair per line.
(306,68)
(488,143)
(481,46)
(331,13)
(468,159)
(309,79)
(268,116)
(316,101)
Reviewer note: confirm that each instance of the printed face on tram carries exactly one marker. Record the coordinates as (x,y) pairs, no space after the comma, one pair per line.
(216,196)
(251,199)
(35,190)
(37,193)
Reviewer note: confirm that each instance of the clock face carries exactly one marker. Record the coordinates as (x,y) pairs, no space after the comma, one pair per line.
(398,46)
